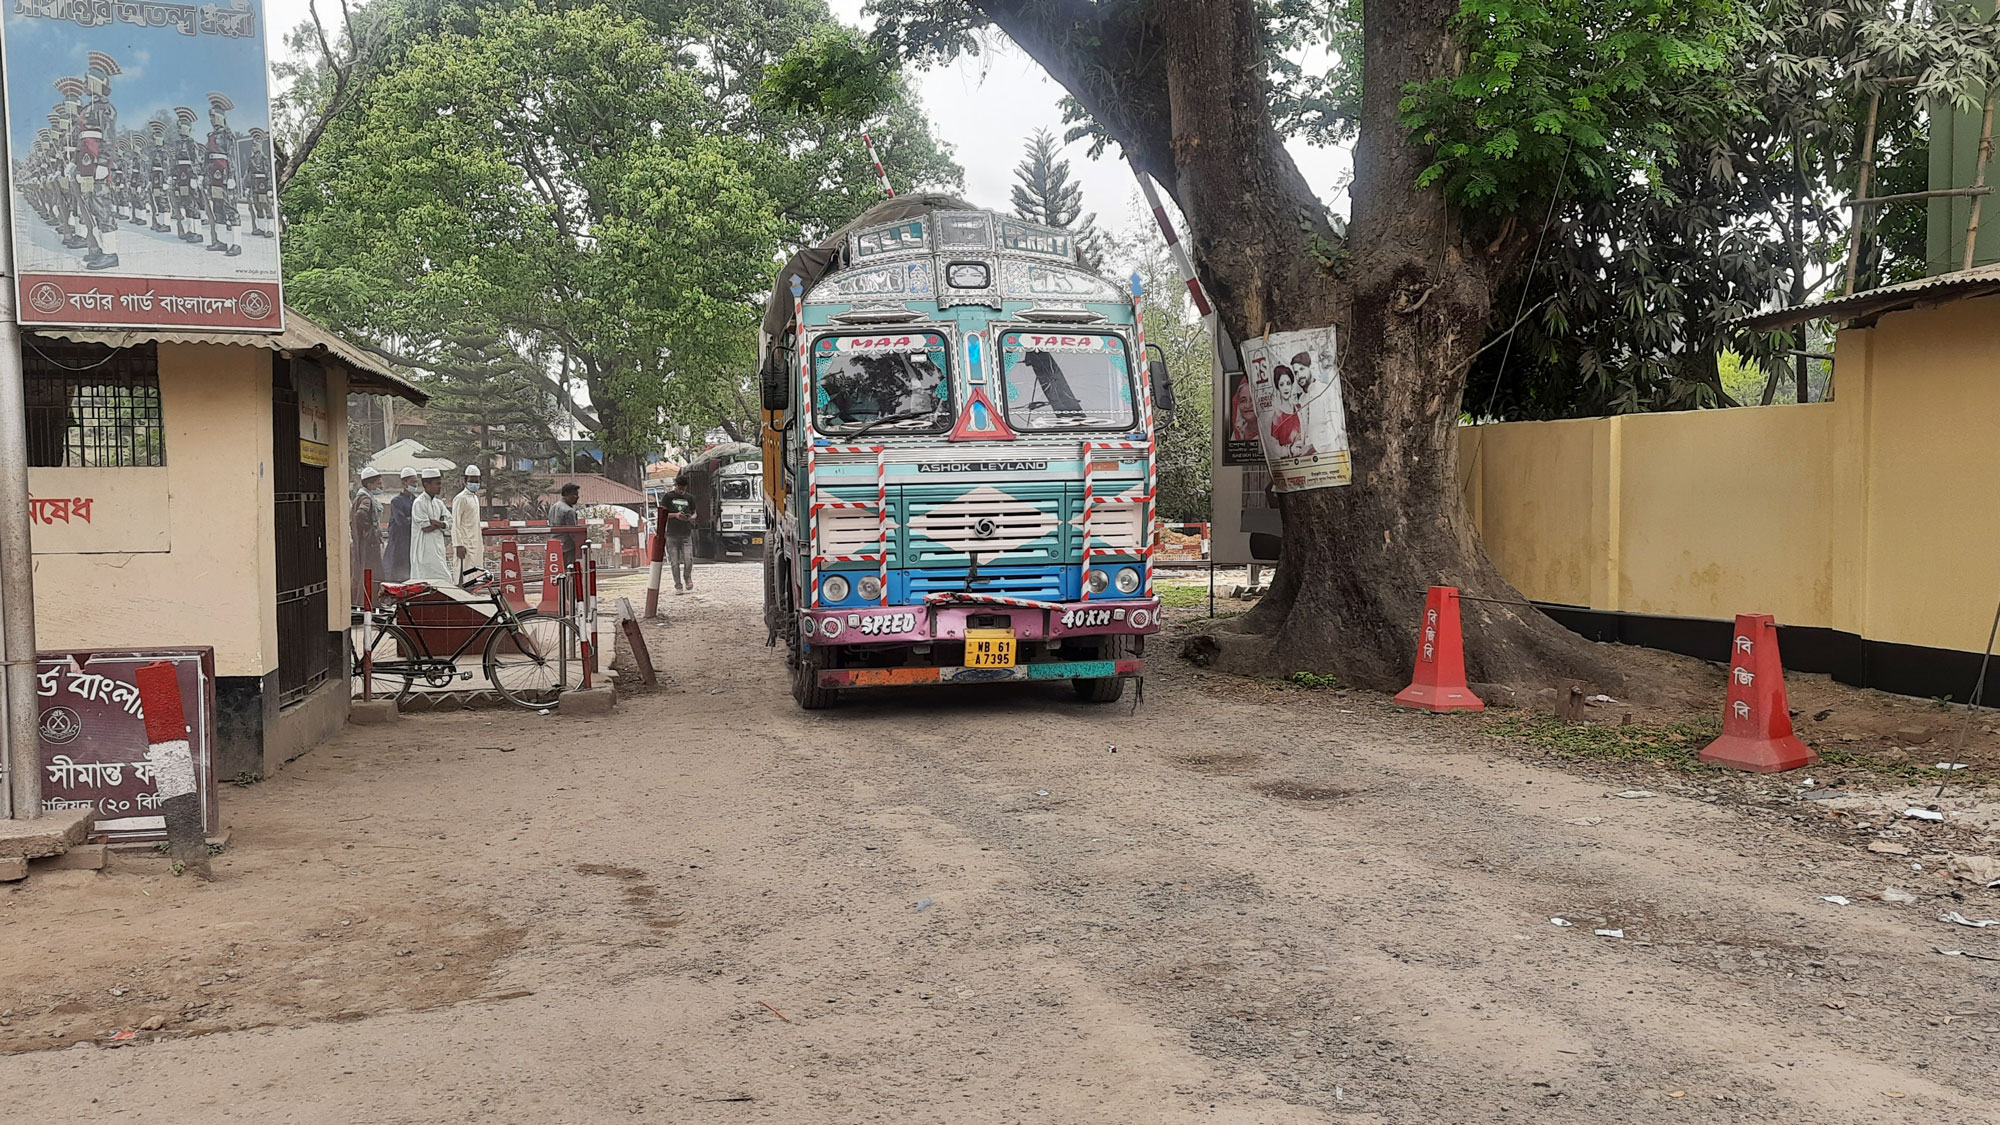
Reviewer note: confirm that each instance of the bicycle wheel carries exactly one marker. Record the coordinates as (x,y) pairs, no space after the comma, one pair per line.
(532,664)
(390,648)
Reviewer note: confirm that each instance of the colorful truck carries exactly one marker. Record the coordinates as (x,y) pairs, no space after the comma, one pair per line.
(729,507)
(958,458)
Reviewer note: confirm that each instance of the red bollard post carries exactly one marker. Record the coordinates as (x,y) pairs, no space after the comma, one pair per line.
(1756,721)
(367,635)
(658,551)
(1439,681)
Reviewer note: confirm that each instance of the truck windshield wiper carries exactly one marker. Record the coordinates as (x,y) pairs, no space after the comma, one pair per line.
(888,418)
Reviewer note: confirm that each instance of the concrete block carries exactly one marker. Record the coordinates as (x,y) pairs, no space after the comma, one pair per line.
(83,857)
(13,869)
(596,701)
(373,712)
(52,833)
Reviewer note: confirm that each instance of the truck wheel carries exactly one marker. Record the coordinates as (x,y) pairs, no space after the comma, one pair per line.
(806,691)
(1103,689)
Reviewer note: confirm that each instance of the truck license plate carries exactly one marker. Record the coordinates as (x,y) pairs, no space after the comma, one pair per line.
(989,648)
(757,539)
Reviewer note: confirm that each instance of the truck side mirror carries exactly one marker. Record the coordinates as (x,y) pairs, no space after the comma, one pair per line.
(1162,382)
(775,383)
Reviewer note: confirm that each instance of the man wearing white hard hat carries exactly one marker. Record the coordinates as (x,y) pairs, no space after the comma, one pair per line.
(430,533)
(467,547)
(396,564)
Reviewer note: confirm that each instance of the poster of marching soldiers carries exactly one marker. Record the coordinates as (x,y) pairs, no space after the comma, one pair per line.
(139,152)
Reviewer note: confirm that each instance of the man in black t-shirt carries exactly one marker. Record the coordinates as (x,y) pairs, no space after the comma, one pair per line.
(677,526)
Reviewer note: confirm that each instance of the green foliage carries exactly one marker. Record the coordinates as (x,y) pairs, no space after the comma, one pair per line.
(1046,193)
(1314,681)
(1595,91)
(604,182)
(1184,438)
(1178,596)
(834,72)
(490,404)
(1631,302)
(1669,744)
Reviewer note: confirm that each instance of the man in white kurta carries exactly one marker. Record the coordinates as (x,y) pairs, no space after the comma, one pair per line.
(468,548)
(430,533)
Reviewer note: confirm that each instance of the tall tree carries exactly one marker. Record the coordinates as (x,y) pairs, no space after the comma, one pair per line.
(1465,115)
(1047,193)
(507,162)
(490,406)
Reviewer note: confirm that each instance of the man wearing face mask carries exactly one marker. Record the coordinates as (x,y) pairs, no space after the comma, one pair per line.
(468,548)
(430,533)
(396,564)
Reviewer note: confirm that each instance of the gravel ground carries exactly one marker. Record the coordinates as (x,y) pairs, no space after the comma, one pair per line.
(1243,903)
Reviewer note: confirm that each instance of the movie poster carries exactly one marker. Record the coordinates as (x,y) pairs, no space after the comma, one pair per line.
(1292,382)
(139,151)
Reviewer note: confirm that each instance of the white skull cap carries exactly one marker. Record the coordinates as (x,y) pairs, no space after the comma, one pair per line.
(472,470)
(432,474)
(407,474)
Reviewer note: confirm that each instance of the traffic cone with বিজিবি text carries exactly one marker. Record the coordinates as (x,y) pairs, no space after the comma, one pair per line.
(1756,719)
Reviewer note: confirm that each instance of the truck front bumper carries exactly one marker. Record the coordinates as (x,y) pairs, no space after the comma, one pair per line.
(913,677)
(946,620)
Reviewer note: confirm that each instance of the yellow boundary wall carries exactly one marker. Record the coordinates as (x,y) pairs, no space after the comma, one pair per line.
(1871,515)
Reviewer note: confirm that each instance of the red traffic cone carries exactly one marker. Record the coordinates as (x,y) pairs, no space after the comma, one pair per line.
(1756,723)
(1439,682)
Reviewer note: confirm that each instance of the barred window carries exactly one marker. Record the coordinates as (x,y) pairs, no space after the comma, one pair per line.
(90,406)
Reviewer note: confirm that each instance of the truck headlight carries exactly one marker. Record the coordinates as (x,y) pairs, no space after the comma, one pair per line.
(727,524)
(1128,580)
(871,588)
(834,588)
(1099,580)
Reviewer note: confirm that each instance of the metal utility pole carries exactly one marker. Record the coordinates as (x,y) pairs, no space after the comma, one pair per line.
(17,559)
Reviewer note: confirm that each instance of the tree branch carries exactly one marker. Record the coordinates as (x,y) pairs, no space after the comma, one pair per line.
(343,89)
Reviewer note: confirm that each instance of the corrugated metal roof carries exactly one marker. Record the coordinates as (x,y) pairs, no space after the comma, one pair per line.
(594,488)
(1872,303)
(301,337)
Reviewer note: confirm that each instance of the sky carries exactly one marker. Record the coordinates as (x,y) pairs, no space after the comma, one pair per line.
(986,108)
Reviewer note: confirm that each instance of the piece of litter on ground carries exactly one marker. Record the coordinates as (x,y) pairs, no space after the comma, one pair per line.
(1966,953)
(715,691)
(1636,794)
(1609,933)
(1561,922)
(1586,821)
(1982,869)
(1884,847)
(1923,814)
(924,904)
(120,1036)
(1808,782)
(1837,900)
(1602,699)
(1041,792)
(1951,765)
(1891,894)
(1956,918)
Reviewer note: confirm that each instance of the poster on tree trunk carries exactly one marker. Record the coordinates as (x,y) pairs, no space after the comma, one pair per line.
(1293,384)
(139,157)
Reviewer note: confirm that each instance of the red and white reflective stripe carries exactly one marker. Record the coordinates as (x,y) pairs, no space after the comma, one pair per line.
(880,506)
(817,559)
(1195,291)
(1146,415)
(881,175)
(167,749)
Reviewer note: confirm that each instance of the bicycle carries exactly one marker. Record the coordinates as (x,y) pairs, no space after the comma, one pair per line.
(528,658)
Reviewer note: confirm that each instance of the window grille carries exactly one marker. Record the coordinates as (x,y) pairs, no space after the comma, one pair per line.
(90,406)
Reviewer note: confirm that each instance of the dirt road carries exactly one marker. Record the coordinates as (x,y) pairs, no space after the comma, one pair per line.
(1266,905)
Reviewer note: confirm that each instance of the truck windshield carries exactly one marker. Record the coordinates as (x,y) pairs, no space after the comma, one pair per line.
(736,488)
(893,383)
(1066,381)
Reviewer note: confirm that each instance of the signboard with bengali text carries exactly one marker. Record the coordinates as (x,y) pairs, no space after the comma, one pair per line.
(93,736)
(139,160)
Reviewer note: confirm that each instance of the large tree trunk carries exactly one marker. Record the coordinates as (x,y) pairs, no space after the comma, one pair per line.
(1412,304)
(1410,297)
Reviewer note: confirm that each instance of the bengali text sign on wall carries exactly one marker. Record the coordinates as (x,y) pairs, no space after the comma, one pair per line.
(139,157)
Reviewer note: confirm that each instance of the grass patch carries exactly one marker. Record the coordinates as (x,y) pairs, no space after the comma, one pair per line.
(1314,681)
(1182,597)
(1669,744)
